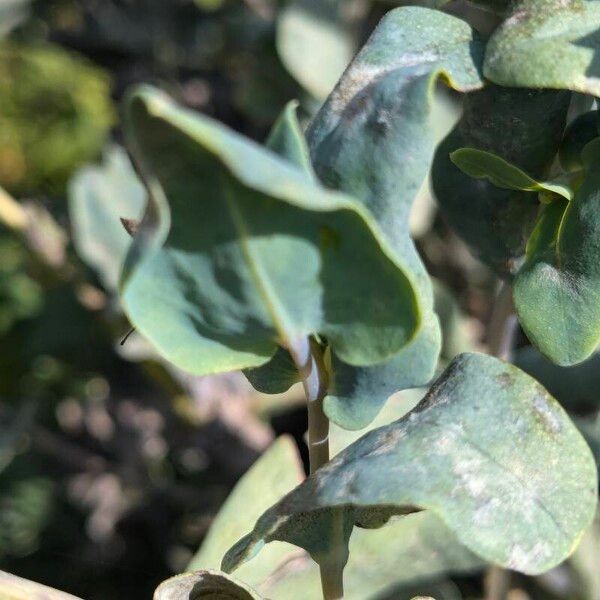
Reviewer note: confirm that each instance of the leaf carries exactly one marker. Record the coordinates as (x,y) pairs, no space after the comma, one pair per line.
(485,165)
(210,584)
(17,588)
(547,44)
(372,139)
(99,197)
(287,139)
(524,127)
(475,452)
(401,554)
(316,41)
(580,132)
(556,290)
(276,376)
(276,473)
(216,285)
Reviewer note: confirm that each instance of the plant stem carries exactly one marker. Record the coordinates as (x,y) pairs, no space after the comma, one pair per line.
(309,360)
(501,332)
(308,357)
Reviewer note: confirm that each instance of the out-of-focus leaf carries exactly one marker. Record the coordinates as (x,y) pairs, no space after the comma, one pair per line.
(21,296)
(25,507)
(98,198)
(484,165)
(547,44)
(213,585)
(579,133)
(373,139)
(277,472)
(17,588)
(240,250)
(39,149)
(556,290)
(524,127)
(316,41)
(12,14)
(574,387)
(586,559)
(458,333)
(475,452)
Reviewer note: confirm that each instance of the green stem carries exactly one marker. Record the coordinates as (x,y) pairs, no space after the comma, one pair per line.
(308,356)
(500,339)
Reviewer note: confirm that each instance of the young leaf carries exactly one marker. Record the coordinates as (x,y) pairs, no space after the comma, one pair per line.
(485,165)
(372,139)
(98,198)
(240,250)
(476,452)
(547,44)
(556,291)
(210,584)
(524,127)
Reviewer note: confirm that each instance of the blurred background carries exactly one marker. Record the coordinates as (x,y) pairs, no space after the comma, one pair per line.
(113,465)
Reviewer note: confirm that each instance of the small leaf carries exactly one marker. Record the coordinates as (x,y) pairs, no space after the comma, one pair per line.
(240,250)
(485,165)
(547,44)
(556,291)
(99,198)
(276,376)
(204,584)
(524,127)
(580,132)
(476,452)
(287,139)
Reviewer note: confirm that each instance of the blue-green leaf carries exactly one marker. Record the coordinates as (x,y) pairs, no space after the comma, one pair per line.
(240,250)
(475,451)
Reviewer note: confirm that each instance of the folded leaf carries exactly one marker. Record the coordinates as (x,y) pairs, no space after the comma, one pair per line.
(476,451)
(524,127)
(484,165)
(240,250)
(373,139)
(210,584)
(557,290)
(547,44)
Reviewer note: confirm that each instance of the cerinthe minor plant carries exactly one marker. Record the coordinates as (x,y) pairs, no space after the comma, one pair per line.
(294,262)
